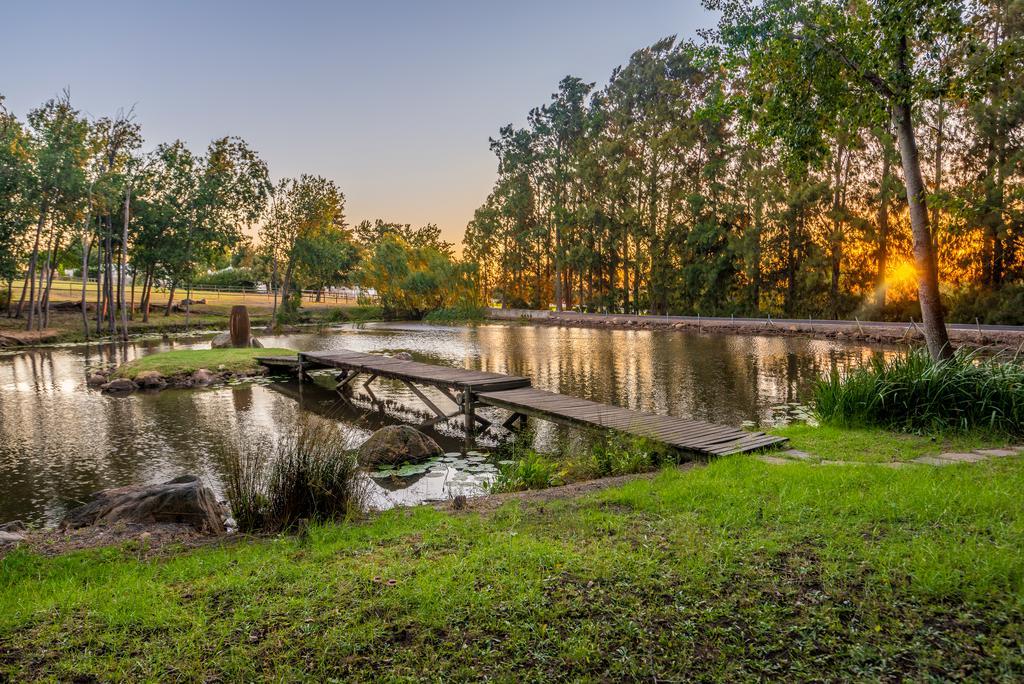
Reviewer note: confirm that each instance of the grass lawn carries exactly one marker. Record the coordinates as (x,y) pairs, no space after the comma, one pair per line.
(874,445)
(187,361)
(736,571)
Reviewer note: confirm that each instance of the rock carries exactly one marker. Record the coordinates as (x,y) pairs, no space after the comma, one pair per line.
(119,385)
(11,538)
(201,378)
(183,500)
(403,356)
(459,502)
(223,341)
(150,379)
(13,526)
(396,444)
(95,380)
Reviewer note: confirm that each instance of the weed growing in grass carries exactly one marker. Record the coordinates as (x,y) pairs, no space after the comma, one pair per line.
(308,474)
(912,393)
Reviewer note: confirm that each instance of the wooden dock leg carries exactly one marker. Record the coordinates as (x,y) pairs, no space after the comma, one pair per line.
(467,410)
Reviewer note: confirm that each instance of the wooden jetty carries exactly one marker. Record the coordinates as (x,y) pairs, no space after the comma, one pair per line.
(470,390)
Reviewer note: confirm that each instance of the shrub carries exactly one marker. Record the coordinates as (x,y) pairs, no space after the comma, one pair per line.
(1004,306)
(915,394)
(456,314)
(307,474)
(532,471)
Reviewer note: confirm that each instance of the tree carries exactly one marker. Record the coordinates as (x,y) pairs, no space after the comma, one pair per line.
(876,48)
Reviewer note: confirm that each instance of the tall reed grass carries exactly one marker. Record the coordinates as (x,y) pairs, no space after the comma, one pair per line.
(965,393)
(308,473)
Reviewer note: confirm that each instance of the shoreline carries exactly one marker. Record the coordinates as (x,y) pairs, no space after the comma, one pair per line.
(1002,337)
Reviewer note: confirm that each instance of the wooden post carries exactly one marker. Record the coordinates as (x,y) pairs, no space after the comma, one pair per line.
(467,410)
(241,331)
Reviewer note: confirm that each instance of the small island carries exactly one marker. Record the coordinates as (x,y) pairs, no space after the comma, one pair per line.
(186,368)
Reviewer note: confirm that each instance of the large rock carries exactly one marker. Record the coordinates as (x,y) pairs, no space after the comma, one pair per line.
(396,444)
(150,379)
(11,538)
(183,500)
(201,378)
(119,385)
(223,341)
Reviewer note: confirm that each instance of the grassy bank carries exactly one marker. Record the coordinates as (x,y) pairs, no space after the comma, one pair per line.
(66,326)
(737,570)
(187,361)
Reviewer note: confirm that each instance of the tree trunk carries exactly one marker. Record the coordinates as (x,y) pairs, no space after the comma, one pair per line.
(935,333)
(882,239)
(170,299)
(31,281)
(123,266)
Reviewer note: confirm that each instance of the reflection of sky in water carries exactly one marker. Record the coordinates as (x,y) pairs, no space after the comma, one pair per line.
(59,442)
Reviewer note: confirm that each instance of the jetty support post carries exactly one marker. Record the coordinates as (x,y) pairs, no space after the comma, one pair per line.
(467,409)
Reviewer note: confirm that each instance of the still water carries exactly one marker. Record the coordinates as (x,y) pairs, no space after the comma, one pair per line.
(60,441)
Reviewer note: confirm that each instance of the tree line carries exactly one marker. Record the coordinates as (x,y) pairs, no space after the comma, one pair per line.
(818,158)
(80,193)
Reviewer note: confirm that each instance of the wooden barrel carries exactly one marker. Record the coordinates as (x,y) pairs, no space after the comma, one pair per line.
(241,333)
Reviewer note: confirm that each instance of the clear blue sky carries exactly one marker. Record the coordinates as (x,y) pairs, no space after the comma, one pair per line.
(394,100)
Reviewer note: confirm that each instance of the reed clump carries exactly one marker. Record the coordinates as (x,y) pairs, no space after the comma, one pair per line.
(913,393)
(307,474)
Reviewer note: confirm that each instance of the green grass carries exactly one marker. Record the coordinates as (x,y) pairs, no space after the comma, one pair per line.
(912,393)
(874,445)
(187,361)
(736,571)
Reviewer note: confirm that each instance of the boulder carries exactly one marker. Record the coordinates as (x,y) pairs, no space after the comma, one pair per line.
(150,379)
(223,341)
(201,378)
(183,500)
(403,356)
(119,385)
(10,538)
(396,444)
(96,379)
(13,526)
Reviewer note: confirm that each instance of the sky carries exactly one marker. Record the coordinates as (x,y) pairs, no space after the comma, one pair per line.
(394,100)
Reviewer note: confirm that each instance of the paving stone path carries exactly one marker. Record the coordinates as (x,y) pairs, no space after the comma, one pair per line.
(944,459)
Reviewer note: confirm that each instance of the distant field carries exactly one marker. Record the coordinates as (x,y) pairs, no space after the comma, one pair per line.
(70,290)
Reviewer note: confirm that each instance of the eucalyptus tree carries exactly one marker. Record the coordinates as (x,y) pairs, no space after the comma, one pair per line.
(15,200)
(877,49)
(59,137)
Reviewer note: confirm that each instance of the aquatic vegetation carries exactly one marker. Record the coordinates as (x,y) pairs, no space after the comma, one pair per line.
(307,474)
(532,471)
(912,393)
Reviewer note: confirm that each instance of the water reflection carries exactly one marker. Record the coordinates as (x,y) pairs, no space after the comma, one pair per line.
(60,441)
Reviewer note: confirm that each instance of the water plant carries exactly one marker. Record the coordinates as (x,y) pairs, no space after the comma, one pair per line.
(912,393)
(306,474)
(532,471)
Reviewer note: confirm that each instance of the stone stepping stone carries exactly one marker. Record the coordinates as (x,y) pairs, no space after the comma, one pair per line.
(797,454)
(1011,451)
(774,460)
(963,458)
(933,460)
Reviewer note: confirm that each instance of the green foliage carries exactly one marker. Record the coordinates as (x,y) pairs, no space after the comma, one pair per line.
(531,471)
(187,361)
(231,277)
(412,280)
(1004,306)
(911,392)
(749,571)
(308,474)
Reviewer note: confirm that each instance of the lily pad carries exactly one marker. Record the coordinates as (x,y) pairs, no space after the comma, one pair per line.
(406,471)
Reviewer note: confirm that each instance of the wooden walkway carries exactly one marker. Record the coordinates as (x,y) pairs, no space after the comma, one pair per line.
(470,389)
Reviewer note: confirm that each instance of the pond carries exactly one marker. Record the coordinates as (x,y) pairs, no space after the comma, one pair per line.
(60,441)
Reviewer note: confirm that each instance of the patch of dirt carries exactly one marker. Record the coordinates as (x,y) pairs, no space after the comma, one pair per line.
(491,502)
(149,538)
(22,338)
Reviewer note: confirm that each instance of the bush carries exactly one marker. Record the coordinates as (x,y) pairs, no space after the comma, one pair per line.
(1004,306)
(532,471)
(912,393)
(233,277)
(307,474)
(456,314)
